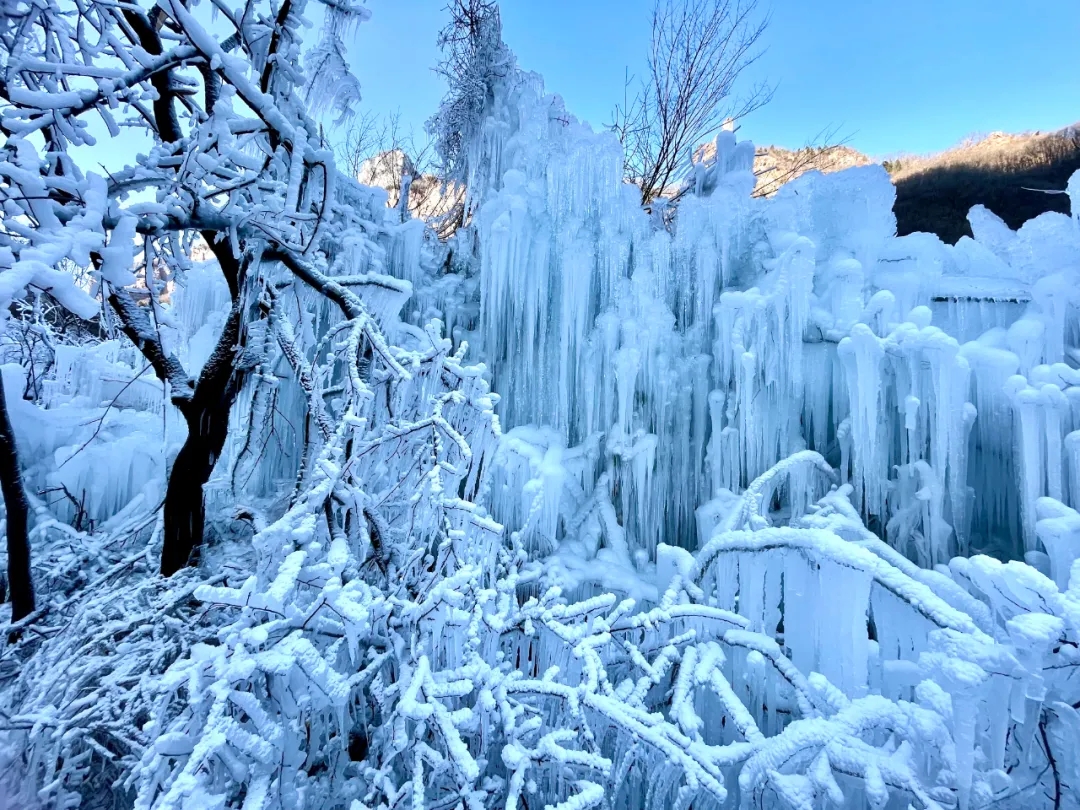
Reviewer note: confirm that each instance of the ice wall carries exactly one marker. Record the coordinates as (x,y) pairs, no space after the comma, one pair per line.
(684,351)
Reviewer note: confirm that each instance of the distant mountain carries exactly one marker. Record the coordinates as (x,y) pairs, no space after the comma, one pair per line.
(1001,171)
(934,193)
(775,165)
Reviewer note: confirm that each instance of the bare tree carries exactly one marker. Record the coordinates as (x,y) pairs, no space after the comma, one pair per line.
(825,152)
(381,151)
(698,52)
(363,139)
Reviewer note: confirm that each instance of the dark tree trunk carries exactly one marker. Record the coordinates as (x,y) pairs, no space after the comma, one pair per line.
(185,511)
(207,411)
(20,582)
(207,416)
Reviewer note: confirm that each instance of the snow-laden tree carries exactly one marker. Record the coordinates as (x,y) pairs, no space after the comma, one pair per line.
(399,604)
(222,149)
(477,66)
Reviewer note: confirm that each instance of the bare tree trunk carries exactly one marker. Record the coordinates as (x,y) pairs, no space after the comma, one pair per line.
(185,508)
(207,416)
(20,582)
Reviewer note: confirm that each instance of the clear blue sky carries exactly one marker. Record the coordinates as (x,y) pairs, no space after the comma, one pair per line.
(894,75)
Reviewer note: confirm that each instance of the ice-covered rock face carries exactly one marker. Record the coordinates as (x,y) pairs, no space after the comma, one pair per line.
(691,357)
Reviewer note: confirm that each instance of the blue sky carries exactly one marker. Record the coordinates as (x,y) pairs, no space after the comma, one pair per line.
(892,76)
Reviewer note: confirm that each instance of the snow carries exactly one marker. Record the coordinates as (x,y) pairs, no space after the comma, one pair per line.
(737,502)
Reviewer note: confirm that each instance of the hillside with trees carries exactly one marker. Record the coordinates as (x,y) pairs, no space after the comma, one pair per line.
(1009,174)
(1017,177)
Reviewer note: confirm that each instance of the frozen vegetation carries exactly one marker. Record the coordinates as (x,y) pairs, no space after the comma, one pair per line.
(744,503)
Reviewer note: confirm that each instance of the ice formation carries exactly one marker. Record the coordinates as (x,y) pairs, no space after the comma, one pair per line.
(731,503)
(687,360)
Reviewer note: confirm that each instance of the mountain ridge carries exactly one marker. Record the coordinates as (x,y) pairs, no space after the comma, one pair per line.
(1003,171)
